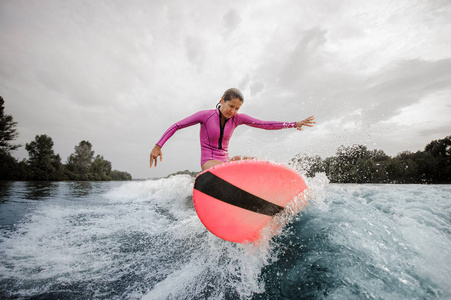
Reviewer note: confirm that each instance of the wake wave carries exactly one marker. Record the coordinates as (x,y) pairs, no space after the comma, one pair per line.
(143,239)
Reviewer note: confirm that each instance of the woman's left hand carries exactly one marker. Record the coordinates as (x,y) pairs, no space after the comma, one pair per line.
(307,122)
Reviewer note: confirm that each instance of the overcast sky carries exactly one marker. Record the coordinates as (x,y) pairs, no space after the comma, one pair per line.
(119,73)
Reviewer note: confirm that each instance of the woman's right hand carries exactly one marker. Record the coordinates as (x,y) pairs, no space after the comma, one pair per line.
(156,151)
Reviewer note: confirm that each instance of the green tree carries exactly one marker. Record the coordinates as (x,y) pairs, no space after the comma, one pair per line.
(80,162)
(357,164)
(82,165)
(309,164)
(101,168)
(118,175)
(350,165)
(42,163)
(440,148)
(8,167)
(440,161)
(8,133)
(395,171)
(380,160)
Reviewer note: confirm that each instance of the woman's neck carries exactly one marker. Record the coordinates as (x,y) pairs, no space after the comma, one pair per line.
(222,118)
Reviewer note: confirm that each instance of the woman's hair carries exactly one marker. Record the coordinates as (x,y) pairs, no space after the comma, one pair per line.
(230,94)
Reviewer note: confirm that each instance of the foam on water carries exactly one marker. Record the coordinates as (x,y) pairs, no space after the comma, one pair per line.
(143,239)
(370,242)
(140,239)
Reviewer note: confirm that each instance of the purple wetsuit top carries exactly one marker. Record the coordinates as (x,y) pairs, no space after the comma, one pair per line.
(214,140)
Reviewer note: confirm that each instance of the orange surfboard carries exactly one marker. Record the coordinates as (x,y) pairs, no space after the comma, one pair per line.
(236,200)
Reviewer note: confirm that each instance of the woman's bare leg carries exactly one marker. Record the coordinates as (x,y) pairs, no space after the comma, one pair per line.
(240,158)
(211,163)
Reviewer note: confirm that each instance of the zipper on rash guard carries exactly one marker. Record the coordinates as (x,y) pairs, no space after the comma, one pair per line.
(221,132)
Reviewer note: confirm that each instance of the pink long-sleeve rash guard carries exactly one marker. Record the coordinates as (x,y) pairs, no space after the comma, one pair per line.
(214,140)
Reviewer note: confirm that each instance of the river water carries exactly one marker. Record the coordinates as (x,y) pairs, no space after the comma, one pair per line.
(143,240)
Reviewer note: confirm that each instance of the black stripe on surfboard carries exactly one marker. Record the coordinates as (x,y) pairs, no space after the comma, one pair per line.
(218,188)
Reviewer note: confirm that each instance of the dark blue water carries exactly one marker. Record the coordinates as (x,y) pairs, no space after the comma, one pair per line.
(143,240)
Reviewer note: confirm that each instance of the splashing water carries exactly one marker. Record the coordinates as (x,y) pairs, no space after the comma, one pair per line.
(143,240)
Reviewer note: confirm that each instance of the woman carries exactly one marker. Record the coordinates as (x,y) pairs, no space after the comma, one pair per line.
(217,126)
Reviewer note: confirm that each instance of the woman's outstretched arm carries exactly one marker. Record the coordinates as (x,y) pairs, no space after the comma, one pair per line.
(274,125)
(189,121)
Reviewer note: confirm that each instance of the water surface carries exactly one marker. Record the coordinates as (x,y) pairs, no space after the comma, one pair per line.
(143,240)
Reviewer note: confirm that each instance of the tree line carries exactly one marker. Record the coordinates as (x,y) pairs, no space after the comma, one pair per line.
(357,164)
(43,164)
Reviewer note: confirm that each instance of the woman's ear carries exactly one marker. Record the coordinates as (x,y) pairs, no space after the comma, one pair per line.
(222,101)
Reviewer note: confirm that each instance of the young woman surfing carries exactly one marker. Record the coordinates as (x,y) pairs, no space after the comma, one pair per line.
(217,126)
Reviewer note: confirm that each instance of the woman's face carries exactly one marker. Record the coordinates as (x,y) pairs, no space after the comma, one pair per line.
(230,108)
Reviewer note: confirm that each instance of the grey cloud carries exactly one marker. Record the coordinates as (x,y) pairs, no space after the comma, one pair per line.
(244,82)
(304,57)
(439,132)
(99,64)
(414,76)
(194,49)
(403,84)
(381,95)
(257,87)
(231,20)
